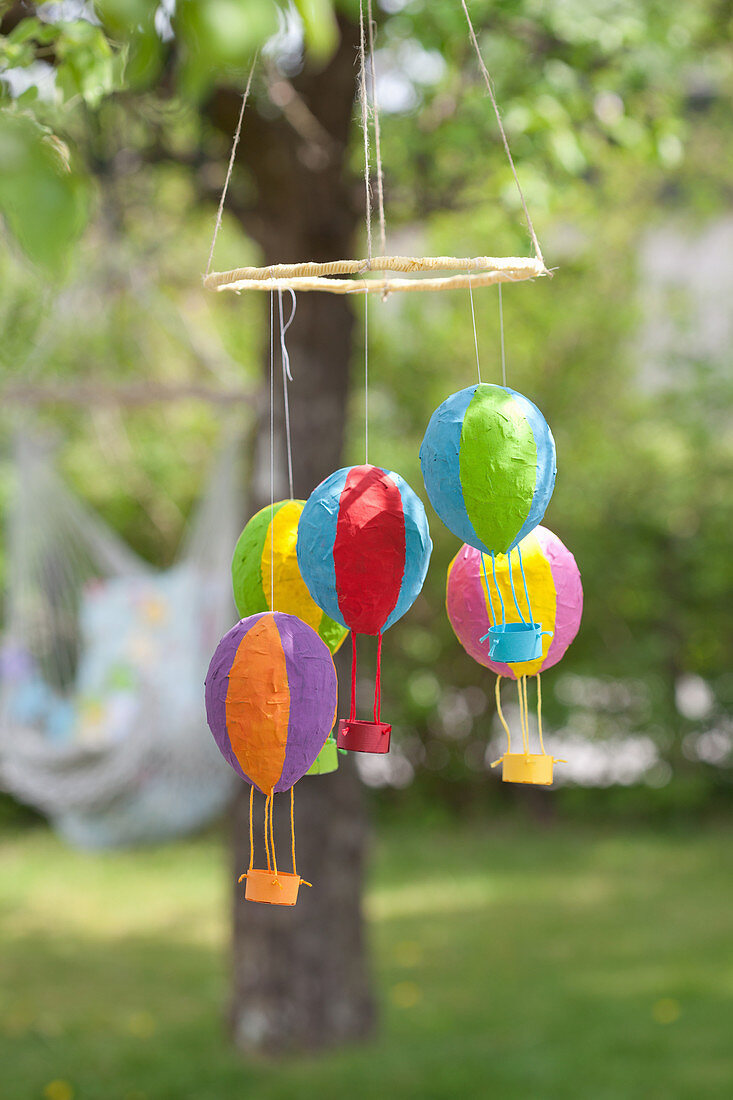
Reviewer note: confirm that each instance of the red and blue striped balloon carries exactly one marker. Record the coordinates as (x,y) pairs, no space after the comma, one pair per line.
(364,547)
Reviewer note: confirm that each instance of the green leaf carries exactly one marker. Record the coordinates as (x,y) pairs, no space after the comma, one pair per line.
(16,55)
(32,29)
(87,64)
(319,24)
(43,202)
(29,96)
(219,38)
(124,17)
(131,23)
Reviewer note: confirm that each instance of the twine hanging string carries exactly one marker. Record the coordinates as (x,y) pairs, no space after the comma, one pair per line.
(377,132)
(235,143)
(287,376)
(487,80)
(367,32)
(365,131)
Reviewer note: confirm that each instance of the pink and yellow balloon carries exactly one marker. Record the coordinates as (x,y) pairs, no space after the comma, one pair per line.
(556,597)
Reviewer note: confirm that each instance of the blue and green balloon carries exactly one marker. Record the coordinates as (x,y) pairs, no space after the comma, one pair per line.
(488,462)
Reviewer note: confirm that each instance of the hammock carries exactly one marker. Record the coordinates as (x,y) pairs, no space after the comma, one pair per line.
(102,725)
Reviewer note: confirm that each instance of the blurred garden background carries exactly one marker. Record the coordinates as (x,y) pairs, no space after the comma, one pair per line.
(570,942)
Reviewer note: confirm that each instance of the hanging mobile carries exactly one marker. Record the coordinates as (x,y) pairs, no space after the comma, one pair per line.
(363,542)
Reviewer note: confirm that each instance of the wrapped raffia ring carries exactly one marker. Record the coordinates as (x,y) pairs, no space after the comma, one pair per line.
(471,272)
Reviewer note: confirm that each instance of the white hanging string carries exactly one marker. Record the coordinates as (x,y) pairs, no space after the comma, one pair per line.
(287,376)
(284,328)
(235,143)
(366,379)
(475,336)
(272,450)
(501,336)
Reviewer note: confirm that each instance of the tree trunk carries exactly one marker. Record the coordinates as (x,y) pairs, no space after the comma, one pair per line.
(300,974)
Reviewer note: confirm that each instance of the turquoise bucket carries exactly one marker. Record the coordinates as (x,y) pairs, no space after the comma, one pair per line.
(511,643)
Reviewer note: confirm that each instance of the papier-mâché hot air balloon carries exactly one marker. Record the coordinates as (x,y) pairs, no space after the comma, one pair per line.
(270,703)
(488,462)
(363,552)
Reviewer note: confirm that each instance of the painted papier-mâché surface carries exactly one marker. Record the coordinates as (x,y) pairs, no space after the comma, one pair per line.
(271,699)
(488,462)
(555,592)
(364,547)
(265,560)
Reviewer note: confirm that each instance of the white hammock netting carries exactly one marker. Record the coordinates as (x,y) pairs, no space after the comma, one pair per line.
(102,723)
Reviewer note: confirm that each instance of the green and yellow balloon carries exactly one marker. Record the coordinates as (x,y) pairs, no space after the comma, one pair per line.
(265,561)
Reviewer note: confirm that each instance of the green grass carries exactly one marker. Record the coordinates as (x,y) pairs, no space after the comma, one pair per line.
(527,964)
